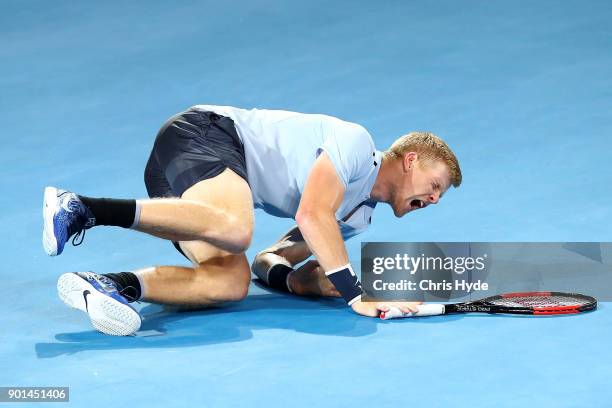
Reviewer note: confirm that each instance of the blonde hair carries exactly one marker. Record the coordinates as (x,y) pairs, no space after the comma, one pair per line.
(430,149)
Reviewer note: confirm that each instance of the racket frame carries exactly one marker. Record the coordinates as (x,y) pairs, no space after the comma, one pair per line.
(485,305)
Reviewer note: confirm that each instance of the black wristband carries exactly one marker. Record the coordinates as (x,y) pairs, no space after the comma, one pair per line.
(346,282)
(277,277)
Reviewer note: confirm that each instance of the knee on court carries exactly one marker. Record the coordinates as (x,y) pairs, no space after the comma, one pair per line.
(236,294)
(223,278)
(232,290)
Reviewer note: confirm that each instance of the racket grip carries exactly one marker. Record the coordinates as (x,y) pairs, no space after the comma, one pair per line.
(430,309)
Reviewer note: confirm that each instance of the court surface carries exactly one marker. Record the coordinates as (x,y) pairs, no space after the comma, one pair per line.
(520,90)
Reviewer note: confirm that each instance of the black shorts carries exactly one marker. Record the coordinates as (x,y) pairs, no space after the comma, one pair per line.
(193,146)
(190,147)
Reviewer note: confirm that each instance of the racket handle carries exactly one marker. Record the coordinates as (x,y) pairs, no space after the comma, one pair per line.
(429,309)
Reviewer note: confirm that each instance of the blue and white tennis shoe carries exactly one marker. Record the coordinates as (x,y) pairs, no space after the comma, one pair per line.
(64,215)
(96,295)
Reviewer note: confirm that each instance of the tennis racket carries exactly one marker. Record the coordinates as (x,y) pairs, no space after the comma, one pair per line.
(525,303)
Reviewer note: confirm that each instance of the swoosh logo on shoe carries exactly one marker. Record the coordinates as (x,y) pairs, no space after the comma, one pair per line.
(85,293)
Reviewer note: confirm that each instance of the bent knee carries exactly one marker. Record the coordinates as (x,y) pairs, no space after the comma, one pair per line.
(233,292)
(241,236)
(224,279)
(242,243)
(236,294)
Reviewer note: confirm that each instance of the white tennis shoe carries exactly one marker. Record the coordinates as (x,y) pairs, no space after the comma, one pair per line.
(96,295)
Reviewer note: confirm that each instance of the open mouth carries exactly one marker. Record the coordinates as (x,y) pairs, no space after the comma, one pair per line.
(416,204)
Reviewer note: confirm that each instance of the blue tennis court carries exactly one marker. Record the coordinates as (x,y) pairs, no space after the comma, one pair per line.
(520,90)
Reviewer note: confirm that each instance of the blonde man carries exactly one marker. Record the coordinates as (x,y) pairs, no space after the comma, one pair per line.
(209,167)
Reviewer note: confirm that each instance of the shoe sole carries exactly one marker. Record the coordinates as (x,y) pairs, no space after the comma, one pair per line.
(106,314)
(50,207)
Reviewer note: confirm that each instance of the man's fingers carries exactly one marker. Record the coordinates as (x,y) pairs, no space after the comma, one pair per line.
(406,307)
(410,307)
(382,307)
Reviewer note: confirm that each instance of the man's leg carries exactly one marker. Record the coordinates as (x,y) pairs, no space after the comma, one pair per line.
(192,217)
(217,275)
(275,265)
(191,146)
(225,222)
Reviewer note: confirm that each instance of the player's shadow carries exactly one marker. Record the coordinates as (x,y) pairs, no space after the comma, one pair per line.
(173,327)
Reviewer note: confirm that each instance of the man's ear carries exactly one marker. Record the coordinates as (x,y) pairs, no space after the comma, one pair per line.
(409,160)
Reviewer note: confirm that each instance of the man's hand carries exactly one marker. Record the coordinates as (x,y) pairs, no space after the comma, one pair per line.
(373,309)
(310,280)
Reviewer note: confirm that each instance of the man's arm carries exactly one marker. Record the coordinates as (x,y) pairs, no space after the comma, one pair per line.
(316,214)
(316,218)
(291,247)
(275,266)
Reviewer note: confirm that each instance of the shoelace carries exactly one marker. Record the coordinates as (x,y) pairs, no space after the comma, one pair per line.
(124,292)
(81,233)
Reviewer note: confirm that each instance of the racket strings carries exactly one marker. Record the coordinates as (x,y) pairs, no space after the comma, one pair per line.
(540,301)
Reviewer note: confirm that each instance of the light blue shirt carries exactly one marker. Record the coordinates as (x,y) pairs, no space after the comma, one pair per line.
(281,147)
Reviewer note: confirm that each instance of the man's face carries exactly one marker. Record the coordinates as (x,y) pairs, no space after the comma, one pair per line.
(419,185)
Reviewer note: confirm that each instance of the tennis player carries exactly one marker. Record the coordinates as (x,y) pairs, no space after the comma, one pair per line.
(210,166)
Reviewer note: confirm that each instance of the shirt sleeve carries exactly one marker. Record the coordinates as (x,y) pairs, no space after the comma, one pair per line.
(350,149)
